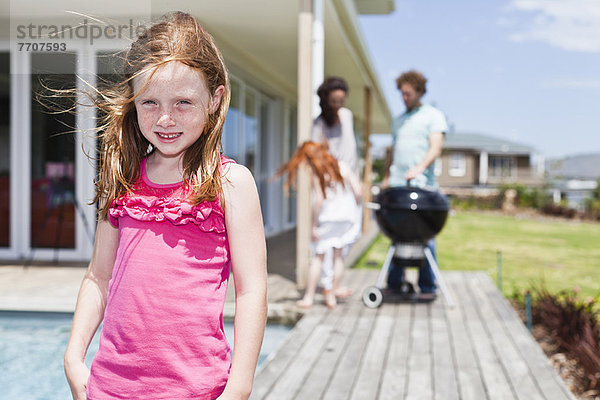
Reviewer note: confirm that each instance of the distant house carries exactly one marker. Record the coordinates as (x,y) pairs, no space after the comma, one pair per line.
(476,162)
(574,178)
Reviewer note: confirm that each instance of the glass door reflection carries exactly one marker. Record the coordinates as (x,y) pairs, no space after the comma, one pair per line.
(52,154)
(5,149)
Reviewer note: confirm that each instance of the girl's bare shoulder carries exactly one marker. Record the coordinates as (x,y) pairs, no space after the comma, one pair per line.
(237,178)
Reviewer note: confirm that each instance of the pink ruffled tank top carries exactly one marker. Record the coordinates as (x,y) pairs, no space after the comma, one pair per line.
(162,336)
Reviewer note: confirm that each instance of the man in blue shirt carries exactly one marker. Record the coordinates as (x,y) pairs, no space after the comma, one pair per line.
(418,135)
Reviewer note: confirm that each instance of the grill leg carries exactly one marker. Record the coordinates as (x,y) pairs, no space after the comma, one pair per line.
(438,276)
(385,267)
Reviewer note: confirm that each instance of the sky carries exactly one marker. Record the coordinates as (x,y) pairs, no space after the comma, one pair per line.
(523,70)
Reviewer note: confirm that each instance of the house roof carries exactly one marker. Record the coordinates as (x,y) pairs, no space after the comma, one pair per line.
(374,6)
(581,166)
(481,143)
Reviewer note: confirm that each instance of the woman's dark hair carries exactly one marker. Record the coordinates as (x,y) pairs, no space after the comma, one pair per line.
(329,85)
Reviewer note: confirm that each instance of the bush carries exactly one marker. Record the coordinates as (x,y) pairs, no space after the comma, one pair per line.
(527,196)
(574,324)
(559,210)
(473,203)
(378,169)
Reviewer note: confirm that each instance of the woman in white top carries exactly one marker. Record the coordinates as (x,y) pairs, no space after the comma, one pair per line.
(335,126)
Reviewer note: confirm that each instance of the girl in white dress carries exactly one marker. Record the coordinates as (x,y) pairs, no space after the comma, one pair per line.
(336,196)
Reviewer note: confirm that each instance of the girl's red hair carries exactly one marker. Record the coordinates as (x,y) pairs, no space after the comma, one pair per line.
(176,37)
(322,164)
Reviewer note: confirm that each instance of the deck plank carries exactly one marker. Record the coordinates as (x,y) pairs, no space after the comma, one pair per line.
(393,384)
(369,376)
(322,371)
(513,364)
(344,377)
(494,376)
(282,359)
(420,379)
(547,380)
(469,378)
(445,385)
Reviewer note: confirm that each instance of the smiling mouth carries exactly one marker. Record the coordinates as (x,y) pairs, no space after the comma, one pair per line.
(169,135)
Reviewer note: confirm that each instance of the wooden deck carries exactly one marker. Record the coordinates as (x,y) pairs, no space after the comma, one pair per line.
(477,350)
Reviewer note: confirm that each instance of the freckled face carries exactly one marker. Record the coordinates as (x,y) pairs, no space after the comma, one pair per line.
(173,108)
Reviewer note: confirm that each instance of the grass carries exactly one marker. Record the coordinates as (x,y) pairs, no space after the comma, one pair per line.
(561,255)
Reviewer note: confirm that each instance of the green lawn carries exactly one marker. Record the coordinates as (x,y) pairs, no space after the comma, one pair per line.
(562,254)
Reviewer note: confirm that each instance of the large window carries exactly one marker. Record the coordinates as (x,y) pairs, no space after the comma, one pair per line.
(265,156)
(4,149)
(438,167)
(52,153)
(292,143)
(502,167)
(231,130)
(250,130)
(109,72)
(458,165)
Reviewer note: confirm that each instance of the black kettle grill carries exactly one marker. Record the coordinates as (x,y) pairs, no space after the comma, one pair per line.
(410,217)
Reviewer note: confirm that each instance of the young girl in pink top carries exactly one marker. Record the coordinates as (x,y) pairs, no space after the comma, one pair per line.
(174,217)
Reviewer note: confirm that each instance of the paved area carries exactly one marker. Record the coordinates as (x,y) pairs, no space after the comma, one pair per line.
(54,287)
(39,288)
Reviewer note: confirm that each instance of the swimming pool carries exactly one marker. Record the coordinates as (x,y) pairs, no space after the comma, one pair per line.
(32,347)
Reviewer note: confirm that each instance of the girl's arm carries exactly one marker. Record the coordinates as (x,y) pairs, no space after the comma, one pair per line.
(89,310)
(356,187)
(317,203)
(353,181)
(248,260)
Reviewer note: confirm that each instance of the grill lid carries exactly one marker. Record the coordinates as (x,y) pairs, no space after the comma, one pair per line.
(407,214)
(412,198)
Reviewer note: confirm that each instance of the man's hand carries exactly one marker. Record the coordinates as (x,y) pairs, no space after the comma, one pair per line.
(414,172)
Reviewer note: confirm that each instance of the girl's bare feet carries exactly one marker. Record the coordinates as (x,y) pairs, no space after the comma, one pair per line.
(343,292)
(304,303)
(330,300)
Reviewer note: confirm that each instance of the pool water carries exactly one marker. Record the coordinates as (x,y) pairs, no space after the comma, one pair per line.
(32,347)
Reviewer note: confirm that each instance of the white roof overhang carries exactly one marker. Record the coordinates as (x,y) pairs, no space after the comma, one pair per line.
(258,38)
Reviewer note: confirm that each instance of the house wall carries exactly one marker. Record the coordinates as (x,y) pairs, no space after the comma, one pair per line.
(471,170)
(524,166)
(521,171)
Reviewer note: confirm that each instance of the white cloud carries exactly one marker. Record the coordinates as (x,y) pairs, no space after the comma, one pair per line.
(568,24)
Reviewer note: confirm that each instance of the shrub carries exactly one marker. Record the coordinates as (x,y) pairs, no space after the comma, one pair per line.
(559,210)
(527,196)
(575,324)
(473,203)
(378,168)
